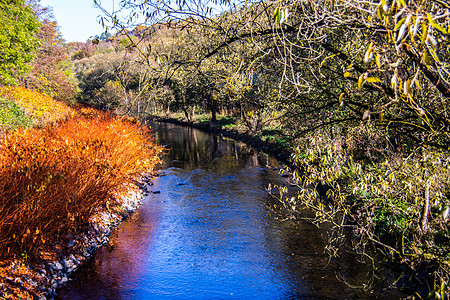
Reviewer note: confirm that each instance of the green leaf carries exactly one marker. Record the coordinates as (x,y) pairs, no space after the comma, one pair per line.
(277,15)
(436,25)
(399,23)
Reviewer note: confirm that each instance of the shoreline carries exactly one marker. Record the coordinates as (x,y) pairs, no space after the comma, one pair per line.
(42,279)
(279,152)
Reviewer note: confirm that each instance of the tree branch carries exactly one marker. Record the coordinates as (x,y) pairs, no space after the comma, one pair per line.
(432,75)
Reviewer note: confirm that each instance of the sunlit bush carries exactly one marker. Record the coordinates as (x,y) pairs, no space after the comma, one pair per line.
(53,179)
(41,108)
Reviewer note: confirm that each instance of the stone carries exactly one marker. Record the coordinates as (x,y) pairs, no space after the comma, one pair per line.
(68,263)
(57,266)
(33,283)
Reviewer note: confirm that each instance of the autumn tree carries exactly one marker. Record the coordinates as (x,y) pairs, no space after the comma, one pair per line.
(50,70)
(337,62)
(18,39)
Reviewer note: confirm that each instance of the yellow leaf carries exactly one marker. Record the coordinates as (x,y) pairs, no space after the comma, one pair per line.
(416,82)
(436,25)
(369,54)
(341,99)
(346,74)
(424,32)
(378,60)
(373,79)
(434,55)
(426,58)
(380,13)
(326,58)
(407,87)
(399,23)
(360,81)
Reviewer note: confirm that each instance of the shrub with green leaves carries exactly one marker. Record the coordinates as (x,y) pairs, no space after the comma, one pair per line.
(12,116)
(18,39)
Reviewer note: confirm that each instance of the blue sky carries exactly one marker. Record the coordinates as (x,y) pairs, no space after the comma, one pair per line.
(77,20)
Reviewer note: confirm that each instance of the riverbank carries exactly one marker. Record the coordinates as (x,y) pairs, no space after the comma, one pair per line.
(67,179)
(40,279)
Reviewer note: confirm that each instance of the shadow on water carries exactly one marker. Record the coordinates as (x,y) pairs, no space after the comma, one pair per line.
(206,234)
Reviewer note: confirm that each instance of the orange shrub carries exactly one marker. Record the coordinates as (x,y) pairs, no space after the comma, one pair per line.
(53,179)
(42,108)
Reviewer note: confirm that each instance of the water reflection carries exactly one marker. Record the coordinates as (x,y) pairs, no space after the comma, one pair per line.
(208,235)
(191,149)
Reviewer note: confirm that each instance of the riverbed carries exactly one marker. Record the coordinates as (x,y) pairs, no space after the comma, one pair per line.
(205,232)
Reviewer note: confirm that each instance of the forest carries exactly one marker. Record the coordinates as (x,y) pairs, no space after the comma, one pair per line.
(357,91)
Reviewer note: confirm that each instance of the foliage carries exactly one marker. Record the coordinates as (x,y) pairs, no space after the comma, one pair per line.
(39,107)
(18,40)
(398,204)
(87,50)
(115,81)
(12,116)
(50,71)
(53,179)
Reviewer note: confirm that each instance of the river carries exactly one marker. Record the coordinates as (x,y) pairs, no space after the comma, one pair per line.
(205,232)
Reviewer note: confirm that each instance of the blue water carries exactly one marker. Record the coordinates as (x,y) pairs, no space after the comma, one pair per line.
(205,232)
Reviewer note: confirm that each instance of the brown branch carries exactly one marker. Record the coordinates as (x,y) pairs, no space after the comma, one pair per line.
(431,73)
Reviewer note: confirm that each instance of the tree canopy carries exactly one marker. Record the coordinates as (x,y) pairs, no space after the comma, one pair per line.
(327,62)
(18,39)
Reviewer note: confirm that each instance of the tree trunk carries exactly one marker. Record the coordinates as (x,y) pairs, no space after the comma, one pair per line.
(186,113)
(193,112)
(426,209)
(213,114)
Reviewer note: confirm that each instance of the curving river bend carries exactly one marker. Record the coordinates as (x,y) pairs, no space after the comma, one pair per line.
(204,232)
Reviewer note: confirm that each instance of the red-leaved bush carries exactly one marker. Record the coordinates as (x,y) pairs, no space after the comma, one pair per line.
(53,179)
